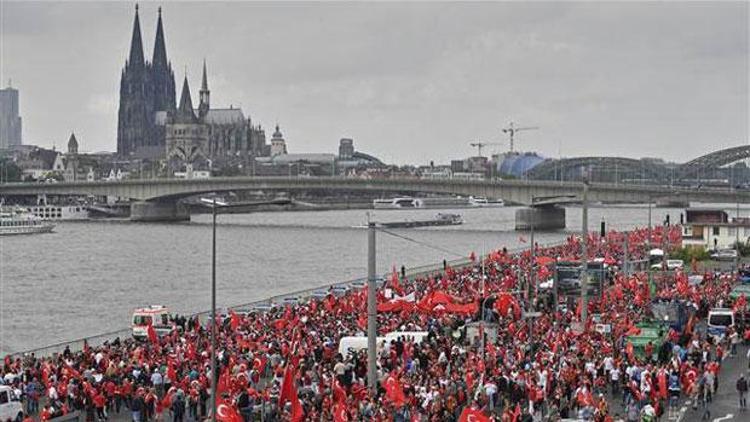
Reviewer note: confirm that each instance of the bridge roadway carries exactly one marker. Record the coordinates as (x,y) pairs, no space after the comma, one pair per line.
(166,193)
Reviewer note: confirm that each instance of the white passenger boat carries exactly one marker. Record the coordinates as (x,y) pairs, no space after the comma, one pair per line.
(397,203)
(16,221)
(481,201)
(58,212)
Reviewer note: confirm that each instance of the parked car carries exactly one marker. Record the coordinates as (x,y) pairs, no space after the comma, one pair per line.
(724,255)
(672,264)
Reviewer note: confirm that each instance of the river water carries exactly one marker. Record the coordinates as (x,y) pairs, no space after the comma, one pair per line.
(87,277)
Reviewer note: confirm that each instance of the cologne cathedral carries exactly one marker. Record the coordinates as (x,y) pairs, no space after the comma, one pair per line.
(150,126)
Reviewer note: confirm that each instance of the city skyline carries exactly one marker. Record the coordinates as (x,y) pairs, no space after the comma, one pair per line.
(409,82)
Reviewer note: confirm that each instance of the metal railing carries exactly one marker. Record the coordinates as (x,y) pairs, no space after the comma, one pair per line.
(304,294)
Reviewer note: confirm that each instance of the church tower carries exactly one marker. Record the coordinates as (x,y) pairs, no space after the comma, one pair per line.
(134,123)
(205,102)
(162,77)
(145,89)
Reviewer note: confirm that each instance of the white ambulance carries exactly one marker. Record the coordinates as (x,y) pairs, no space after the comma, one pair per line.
(156,315)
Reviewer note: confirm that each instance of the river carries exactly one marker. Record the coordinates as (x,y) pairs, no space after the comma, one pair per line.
(87,277)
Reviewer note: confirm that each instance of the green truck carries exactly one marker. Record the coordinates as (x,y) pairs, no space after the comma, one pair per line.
(653,332)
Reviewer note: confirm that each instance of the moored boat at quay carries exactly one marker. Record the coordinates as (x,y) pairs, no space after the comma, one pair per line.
(16,221)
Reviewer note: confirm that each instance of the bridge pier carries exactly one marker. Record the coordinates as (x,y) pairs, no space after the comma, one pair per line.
(146,211)
(543,218)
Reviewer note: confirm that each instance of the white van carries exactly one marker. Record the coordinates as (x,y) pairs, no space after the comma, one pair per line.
(156,315)
(719,319)
(355,343)
(10,405)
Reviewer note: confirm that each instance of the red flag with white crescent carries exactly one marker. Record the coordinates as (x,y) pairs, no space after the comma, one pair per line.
(234,320)
(225,412)
(473,415)
(393,390)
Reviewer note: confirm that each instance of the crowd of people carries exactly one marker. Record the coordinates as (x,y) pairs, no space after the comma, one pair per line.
(462,349)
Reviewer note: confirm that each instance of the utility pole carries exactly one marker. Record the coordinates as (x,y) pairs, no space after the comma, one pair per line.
(737,236)
(585,255)
(213,314)
(648,239)
(372,315)
(625,264)
(532,275)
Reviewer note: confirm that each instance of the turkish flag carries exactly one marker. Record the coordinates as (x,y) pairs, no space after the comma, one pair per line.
(234,320)
(298,414)
(393,390)
(225,412)
(259,363)
(629,350)
(339,394)
(287,386)
(473,415)
(339,413)
(152,337)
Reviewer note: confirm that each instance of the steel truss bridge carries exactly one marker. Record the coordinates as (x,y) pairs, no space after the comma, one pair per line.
(640,169)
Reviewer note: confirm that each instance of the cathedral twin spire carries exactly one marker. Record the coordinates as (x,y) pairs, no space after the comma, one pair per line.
(136,45)
(145,89)
(160,50)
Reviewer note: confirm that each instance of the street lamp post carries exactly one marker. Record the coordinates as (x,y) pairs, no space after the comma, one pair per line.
(215,205)
(584,256)
(481,325)
(532,275)
(213,312)
(372,315)
(648,239)
(737,237)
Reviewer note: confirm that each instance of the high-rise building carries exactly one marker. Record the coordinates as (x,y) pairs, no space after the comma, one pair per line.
(10,121)
(145,88)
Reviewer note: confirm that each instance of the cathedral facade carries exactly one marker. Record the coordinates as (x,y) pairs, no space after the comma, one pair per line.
(150,126)
(204,137)
(145,88)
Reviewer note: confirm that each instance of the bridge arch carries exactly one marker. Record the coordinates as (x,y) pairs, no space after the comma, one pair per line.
(715,159)
(549,169)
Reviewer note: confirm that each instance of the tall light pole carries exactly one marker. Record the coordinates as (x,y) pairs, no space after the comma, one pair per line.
(625,257)
(585,255)
(215,205)
(213,311)
(648,239)
(372,312)
(737,235)
(532,275)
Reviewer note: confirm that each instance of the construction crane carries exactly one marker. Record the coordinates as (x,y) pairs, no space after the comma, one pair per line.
(480,145)
(511,130)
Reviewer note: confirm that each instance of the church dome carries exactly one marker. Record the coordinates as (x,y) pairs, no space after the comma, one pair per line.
(277,134)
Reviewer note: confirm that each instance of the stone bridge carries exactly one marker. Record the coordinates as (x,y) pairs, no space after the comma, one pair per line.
(158,199)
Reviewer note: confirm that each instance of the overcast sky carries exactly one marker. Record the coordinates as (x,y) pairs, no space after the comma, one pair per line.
(409,82)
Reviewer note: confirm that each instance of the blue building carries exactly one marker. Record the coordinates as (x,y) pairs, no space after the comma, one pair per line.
(517,164)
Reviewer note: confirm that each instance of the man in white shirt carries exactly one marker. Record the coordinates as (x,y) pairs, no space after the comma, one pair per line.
(158,382)
(614,377)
